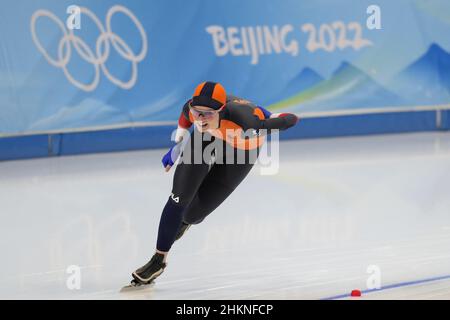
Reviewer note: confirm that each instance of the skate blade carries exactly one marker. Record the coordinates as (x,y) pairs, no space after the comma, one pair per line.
(136,287)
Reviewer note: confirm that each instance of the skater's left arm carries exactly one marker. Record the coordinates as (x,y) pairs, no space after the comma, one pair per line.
(260,118)
(280,121)
(252,117)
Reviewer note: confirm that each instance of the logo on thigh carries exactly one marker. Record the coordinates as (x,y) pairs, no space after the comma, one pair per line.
(176,199)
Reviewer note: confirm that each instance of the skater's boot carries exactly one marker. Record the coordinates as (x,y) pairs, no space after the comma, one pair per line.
(184,227)
(151,270)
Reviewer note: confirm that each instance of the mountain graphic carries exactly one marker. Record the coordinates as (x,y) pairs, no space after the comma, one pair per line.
(347,88)
(306,79)
(427,80)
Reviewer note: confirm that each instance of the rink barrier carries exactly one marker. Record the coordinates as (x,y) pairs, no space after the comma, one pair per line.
(150,136)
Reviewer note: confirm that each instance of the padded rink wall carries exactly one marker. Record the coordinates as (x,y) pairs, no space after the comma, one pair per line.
(158,136)
(336,64)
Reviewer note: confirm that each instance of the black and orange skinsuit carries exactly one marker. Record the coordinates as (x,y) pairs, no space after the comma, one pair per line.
(200,187)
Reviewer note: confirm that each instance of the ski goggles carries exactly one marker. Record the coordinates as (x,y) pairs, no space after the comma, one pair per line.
(208,114)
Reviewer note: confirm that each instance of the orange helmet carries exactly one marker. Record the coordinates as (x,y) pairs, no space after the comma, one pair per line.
(209,94)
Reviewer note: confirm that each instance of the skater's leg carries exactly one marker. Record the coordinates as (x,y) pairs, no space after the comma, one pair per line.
(220,182)
(188,176)
(187,180)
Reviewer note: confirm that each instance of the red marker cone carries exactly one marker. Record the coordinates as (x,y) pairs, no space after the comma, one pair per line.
(356,293)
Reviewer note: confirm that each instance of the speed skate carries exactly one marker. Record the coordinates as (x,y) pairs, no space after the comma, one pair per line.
(134,286)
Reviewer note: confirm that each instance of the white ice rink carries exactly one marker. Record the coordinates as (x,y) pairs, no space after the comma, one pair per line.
(336,207)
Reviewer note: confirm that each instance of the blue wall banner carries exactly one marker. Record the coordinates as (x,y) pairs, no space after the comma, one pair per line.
(80,65)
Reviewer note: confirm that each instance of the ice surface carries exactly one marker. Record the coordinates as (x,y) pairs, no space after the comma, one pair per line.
(336,207)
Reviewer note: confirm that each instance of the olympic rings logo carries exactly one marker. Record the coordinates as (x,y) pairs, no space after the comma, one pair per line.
(98,56)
